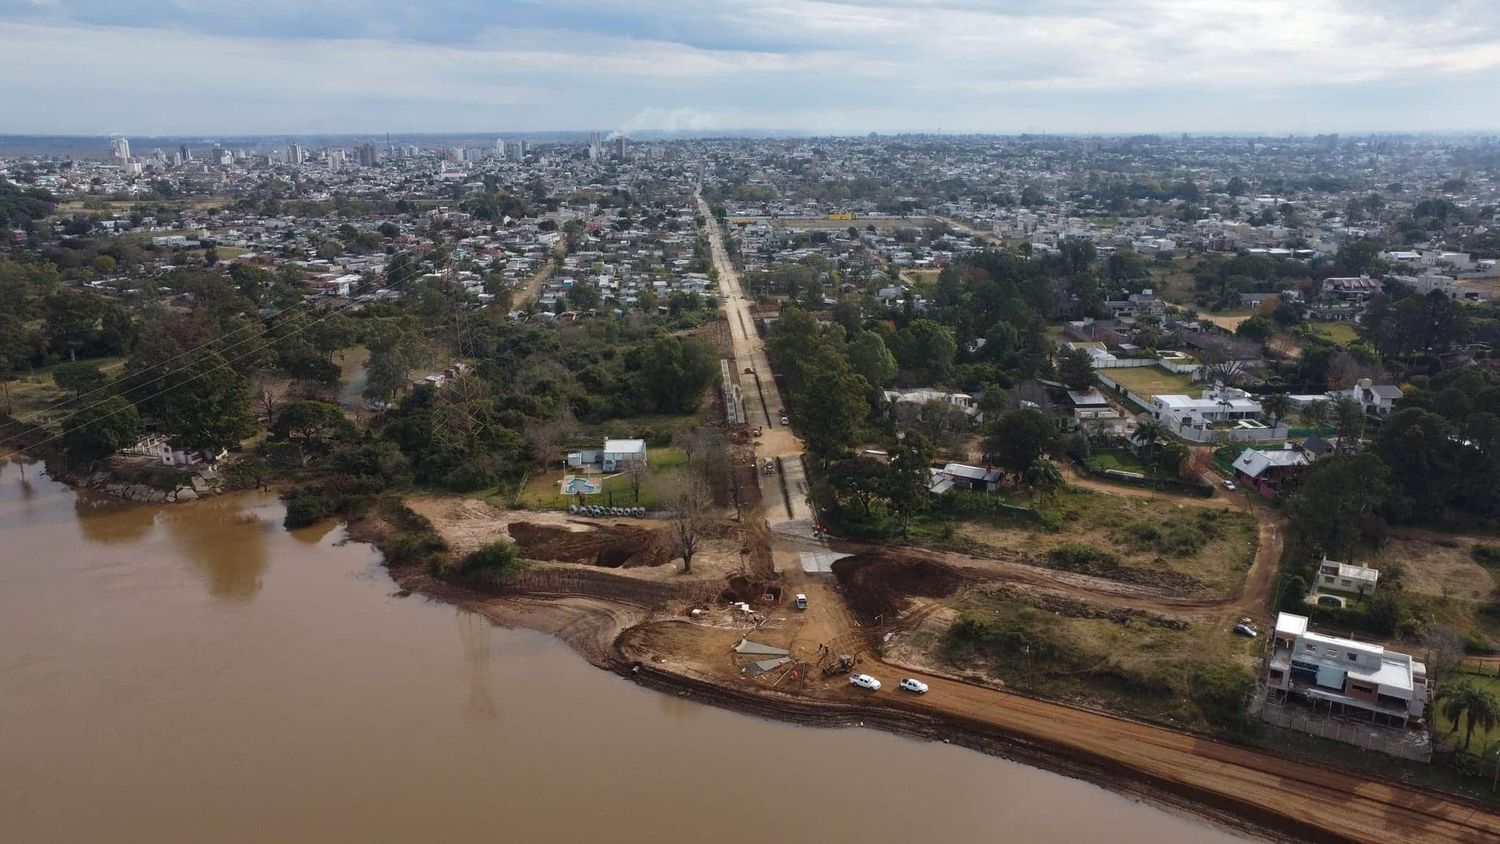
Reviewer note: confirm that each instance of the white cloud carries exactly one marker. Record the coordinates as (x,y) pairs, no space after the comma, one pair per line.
(815,65)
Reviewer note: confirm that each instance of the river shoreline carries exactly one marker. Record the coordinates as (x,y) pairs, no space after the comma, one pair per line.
(597,629)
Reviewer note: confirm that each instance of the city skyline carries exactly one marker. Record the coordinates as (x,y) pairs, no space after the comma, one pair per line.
(1080,67)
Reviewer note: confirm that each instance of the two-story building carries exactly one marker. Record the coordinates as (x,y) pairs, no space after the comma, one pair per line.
(1344,677)
(1217,405)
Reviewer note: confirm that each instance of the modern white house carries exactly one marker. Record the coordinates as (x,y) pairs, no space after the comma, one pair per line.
(1347,577)
(1344,677)
(1375,399)
(1218,405)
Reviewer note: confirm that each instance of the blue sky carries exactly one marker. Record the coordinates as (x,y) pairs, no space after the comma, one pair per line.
(820,66)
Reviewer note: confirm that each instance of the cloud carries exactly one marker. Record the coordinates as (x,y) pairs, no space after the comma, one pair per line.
(810,65)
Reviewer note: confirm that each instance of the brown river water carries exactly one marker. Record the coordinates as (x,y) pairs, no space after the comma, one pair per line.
(197,673)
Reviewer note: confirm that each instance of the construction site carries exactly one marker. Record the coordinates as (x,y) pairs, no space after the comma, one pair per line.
(774,618)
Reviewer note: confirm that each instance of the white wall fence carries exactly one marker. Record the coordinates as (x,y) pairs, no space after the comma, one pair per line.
(1233,435)
(1144,402)
(1124,363)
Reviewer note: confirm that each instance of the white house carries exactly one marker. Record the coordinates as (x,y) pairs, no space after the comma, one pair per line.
(1217,405)
(1355,679)
(1375,399)
(617,453)
(1347,577)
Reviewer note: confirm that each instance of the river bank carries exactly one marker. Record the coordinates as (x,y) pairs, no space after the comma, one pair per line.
(200,672)
(1221,783)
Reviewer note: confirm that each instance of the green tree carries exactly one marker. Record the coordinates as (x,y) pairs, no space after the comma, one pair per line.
(830,406)
(1257,328)
(100,429)
(71,321)
(1043,478)
(675,371)
(1018,438)
(1349,419)
(909,480)
(1276,406)
(872,359)
(1076,369)
(205,407)
(1338,501)
(1477,707)
(79,377)
(311,423)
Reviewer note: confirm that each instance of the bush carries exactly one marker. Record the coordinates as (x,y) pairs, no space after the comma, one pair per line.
(1220,692)
(496,561)
(1082,558)
(411,546)
(1486,555)
(304,510)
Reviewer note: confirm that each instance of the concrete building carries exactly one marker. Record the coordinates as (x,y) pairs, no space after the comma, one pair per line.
(617,453)
(1347,577)
(1353,679)
(120,149)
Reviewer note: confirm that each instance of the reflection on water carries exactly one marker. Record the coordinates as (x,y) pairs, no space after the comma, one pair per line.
(138,705)
(475,632)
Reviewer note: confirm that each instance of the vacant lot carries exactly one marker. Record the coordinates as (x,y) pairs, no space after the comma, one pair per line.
(1181,548)
(1123,661)
(1429,568)
(1151,381)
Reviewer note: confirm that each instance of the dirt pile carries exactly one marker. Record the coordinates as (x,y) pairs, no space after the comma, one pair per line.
(607,546)
(876,584)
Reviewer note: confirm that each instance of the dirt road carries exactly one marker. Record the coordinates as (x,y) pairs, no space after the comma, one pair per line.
(764,408)
(534,284)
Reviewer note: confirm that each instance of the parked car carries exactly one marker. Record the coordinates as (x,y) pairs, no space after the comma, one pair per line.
(1246,630)
(785,421)
(865,681)
(800,602)
(1229,485)
(770,466)
(757,430)
(915,686)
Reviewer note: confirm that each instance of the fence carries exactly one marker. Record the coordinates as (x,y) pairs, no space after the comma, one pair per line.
(1232,435)
(1405,744)
(1124,363)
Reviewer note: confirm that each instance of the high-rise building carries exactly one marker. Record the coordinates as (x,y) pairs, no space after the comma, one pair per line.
(187,154)
(120,149)
(368,157)
(296,155)
(596,147)
(620,147)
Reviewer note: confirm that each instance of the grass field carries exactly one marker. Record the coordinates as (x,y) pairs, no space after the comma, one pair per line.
(1151,381)
(1174,283)
(1341,333)
(543,492)
(35,393)
(1482,738)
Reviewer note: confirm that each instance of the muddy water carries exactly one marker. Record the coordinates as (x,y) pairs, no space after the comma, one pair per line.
(197,673)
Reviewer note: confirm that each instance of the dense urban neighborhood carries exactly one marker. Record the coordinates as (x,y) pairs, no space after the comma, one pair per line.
(1077,450)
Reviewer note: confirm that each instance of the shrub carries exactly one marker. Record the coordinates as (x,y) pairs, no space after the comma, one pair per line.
(305,509)
(1486,555)
(1220,692)
(411,546)
(1082,558)
(496,561)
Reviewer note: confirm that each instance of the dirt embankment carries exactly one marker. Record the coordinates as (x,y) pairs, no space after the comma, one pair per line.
(878,586)
(606,546)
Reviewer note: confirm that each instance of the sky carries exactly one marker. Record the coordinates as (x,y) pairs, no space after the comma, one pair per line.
(811,66)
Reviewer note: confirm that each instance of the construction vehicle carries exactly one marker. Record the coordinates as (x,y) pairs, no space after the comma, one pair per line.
(843,665)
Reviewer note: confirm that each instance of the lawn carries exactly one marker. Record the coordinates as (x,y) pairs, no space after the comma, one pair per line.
(1482,738)
(35,393)
(1149,381)
(1341,333)
(1121,460)
(543,492)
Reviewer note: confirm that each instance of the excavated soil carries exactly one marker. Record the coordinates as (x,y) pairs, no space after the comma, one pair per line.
(877,586)
(607,546)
